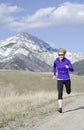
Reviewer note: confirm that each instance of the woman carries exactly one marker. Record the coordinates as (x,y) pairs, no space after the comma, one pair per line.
(61,68)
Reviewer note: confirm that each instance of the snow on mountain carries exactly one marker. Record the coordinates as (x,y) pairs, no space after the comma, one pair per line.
(24,51)
(28,52)
(74,57)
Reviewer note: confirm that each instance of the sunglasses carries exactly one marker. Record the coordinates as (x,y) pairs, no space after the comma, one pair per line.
(60,54)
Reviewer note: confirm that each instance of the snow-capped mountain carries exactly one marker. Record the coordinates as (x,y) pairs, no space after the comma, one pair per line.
(28,52)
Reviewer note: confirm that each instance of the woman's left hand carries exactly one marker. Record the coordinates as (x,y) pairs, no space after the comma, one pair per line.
(66,66)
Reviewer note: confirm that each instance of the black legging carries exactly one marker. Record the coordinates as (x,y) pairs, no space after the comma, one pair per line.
(60,84)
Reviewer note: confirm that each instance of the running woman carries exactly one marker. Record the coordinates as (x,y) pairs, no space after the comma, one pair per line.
(61,68)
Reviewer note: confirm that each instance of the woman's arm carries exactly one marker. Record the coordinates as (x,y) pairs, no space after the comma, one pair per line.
(69,66)
(54,68)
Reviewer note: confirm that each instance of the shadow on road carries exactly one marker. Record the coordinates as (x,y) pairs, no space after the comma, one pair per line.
(82,107)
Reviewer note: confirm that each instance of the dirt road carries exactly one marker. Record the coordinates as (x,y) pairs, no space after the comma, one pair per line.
(72,117)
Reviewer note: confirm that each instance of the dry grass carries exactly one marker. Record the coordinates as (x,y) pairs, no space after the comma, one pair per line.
(24,94)
(14,108)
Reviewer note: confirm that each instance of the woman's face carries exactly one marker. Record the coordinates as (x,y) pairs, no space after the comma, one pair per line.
(61,55)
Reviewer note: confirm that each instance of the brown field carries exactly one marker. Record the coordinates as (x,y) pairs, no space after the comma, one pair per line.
(26,97)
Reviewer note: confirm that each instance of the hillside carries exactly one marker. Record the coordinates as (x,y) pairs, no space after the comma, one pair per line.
(26,52)
(79,67)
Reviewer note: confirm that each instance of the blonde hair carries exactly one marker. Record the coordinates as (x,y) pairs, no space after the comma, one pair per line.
(62,50)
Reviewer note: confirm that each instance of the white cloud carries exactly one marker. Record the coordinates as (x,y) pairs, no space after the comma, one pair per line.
(39,19)
(66,14)
(8,9)
(7,20)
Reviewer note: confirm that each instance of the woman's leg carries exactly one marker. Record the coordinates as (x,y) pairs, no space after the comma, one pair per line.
(60,103)
(60,94)
(68,86)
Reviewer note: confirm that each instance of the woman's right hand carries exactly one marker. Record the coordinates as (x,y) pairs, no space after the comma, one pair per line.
(54,77)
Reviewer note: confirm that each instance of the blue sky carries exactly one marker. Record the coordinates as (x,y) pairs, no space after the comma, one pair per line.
(58,22)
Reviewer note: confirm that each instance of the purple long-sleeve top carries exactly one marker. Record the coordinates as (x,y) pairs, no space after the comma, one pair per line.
(60,69)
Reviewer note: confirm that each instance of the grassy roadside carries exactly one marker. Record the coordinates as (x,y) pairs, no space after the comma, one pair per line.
(23,94)
(30,94)
(14,108)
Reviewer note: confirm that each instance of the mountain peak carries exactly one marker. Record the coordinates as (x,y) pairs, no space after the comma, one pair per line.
(24,51)
(30,39)
(23,34)
(27,36)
